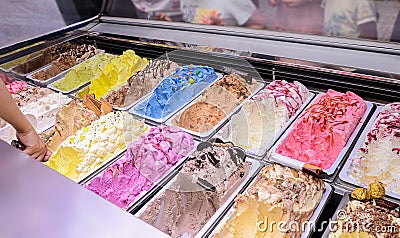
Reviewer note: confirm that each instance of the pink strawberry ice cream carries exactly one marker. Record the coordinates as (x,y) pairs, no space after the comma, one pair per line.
(16,86)
(145,161)
(322,131)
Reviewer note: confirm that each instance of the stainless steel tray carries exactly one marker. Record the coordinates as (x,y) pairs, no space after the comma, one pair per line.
(56,77)
(260,152)
(208,133)
(163,119)
(343,175)
(144,194)
(290,162)
(308,229)
(23,75)
(60,76)
(23,58)
(339,212)
(254,169)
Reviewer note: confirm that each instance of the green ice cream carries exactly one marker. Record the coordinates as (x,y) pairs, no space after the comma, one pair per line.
(84,72)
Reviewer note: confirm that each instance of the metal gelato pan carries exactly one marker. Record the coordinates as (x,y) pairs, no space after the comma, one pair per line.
(293,163)
(253,170)
(207,134)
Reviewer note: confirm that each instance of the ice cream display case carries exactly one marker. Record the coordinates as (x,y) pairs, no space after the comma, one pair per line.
(296,112)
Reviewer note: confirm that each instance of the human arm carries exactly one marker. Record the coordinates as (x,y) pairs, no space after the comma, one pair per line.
(256,21)
(25,132)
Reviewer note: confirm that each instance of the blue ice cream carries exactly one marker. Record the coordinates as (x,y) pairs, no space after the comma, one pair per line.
(176,90)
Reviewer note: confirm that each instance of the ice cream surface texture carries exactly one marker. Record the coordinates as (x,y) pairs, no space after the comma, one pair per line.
(30,95)
(66,60)
(91,146)
(367,220)
(265,114)
(215,103)
(203,185)
(142,82)
(69,119)
(277,195)
(16,86)
(145,161)
(379,156)
(322,131)
(176,90)
(83,73)
(116,73)
(47,56)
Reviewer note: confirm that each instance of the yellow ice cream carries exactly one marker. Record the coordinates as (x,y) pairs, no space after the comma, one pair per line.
(84,72)
(116,73)
(91,146)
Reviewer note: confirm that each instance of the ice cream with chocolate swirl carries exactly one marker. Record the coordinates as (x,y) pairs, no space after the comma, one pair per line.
(278,195)
(203,185)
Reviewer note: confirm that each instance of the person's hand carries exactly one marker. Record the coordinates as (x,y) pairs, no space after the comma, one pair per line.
(6,79)
(34,145)
(294,3)
(273,3)
(162,17)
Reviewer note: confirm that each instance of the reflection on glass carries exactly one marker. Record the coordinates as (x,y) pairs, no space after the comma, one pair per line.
(366,19)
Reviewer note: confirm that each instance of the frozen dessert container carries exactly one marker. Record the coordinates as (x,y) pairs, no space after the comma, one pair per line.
(343,175)
(207,134)
(142,102)
(228,213)
(255,167)
(55,78)
(341,214)
(260,152)
(38,60)
(144,195)
(7,67)
(293,163)
(126,107)
(63,74)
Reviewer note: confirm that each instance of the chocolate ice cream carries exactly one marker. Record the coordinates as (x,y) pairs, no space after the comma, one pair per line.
(67,60)
(203,185)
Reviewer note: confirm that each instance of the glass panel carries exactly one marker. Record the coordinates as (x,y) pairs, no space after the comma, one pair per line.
(366,19)
(24,19)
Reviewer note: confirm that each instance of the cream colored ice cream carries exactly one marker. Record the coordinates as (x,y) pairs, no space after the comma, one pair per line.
(91,146)
(379,156)
(279,195)
(84,72)
(366,220)
(116,73)
(45,109)
(265,114)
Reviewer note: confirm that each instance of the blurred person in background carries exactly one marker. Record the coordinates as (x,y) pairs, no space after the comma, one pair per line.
(168,10)
(350,18)
(298,16)
(396,28)
(222,12)
(26,134)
